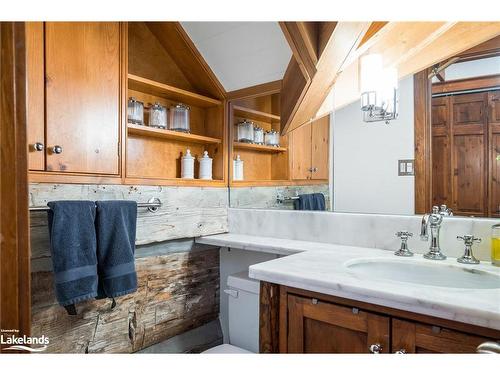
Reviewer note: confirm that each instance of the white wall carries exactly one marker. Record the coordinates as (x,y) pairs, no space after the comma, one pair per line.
(365,159)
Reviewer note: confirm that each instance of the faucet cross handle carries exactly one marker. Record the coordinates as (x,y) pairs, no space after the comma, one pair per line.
(468,257)
(469,239)
(404,251)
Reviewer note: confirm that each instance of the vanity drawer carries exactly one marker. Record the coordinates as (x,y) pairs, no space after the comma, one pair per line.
(411,337)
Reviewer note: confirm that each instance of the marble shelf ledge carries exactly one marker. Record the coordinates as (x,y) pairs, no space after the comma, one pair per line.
(319,267)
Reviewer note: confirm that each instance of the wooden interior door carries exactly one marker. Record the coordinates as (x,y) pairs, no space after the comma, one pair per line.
(83,96)
(300,140)
(320,327)
(412,337)
(441,152)
(469,145)
(320,146)
(494,152)
(15,299)
(35,87)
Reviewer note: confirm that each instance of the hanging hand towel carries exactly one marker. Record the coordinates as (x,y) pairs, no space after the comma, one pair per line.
(310,202)
(73,249)
(115,228)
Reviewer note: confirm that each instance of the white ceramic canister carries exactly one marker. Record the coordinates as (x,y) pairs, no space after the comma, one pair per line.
(238,169)
(187,165)
(205,167)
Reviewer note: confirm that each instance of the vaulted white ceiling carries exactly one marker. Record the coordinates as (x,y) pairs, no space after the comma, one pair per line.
(241,54)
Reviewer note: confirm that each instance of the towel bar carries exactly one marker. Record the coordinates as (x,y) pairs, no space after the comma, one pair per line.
(286,199)
(152,205)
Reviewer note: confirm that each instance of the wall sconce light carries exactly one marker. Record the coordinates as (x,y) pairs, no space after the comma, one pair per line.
(379,90)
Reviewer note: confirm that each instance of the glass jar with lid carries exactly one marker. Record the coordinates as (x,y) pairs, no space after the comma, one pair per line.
(245,131)
(158,116)
(258,135)
(272,138)
(495,245)
(135,111)
(179,118)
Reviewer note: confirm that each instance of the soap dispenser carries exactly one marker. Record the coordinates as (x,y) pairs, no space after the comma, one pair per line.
(187,165)
(205,167)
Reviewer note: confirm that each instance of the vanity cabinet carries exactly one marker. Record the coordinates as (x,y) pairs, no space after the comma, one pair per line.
(309,150)
(298,321)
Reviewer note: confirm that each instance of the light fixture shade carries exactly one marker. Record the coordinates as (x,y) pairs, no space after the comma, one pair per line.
(378,89)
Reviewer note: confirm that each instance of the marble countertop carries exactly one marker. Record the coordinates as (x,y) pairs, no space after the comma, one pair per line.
(321,267)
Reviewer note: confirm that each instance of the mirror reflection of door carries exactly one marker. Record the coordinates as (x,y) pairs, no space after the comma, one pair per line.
(465,128)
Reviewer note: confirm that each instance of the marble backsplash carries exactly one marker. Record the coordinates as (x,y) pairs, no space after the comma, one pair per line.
(266,196)
(365,230)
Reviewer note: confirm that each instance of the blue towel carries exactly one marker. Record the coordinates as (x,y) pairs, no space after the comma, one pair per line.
(115,229)
(73,249)
(310,202)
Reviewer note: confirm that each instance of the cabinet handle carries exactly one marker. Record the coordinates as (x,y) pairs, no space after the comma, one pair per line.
(38,146)
(401,351)
(57,149)
(489,347)
(310,169)
(315,169)
(376,348)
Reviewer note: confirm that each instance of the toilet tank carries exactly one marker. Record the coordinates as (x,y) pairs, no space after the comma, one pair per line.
(243,311)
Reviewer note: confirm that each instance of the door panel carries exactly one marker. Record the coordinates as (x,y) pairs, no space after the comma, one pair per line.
(83,96)
(300,140)
(422,338)
(321,327)
(35,95)
(494,152)
(441,152)
(320,141)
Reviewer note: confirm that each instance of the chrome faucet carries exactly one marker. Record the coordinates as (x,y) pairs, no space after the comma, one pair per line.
(432,222)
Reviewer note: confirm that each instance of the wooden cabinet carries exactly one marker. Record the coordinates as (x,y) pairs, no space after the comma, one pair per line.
(412,337)
(309,150)
(494,152)
(82,70)
(315,326)
(300,321)
(74,97)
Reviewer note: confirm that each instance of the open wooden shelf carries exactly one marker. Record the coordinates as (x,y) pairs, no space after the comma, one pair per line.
(258,148)
(147,131)
(253,114)
(170,92)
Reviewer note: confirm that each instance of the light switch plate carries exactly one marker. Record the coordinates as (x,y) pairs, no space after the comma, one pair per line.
(406,167)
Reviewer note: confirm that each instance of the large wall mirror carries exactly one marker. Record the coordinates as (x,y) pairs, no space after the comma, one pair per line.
(443,147)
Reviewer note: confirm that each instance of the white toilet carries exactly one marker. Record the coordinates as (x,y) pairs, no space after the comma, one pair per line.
(243,316)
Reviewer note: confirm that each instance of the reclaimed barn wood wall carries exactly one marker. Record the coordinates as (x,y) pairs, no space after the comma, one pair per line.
(265,196)
(178,282)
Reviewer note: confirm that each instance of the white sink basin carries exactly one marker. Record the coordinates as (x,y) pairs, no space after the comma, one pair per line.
(417,272)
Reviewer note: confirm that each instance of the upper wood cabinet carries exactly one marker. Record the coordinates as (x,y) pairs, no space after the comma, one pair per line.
(309,150)
(35,95)
(82,74)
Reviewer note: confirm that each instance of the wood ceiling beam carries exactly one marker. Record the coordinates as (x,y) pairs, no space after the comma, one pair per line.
(317,81)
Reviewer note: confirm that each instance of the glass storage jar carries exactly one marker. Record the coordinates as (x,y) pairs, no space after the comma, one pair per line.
(179,118)
(135,111)
(158,116)
(272,138)
(258,135)
(245,131)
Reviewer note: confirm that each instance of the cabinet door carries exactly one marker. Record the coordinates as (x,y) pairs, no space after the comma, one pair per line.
(320,142)
(35,95)
(441,152)
(422,338)
(469,129)
(320,327)
(83,96)
(300,141)
(494,160)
